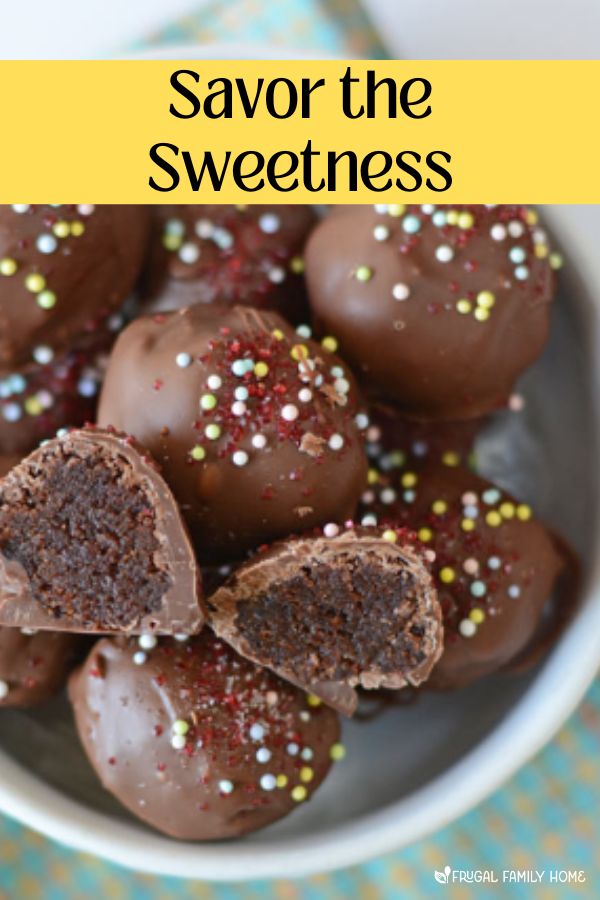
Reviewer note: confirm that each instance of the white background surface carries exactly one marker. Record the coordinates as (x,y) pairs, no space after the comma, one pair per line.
(512,29)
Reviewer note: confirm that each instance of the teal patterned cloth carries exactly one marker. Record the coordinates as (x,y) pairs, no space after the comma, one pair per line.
(547,817)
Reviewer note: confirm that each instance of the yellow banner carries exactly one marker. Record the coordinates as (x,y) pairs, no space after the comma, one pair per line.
(291,131)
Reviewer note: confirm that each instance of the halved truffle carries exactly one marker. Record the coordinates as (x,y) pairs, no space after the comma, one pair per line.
(91,540)
(333,613)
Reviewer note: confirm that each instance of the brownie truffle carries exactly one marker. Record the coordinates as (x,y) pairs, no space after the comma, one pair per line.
(91,540)
(439,308)
(250,255)
(196,741)
(495,565)
(34,665)
(63,271)
(332,613)
(254,424)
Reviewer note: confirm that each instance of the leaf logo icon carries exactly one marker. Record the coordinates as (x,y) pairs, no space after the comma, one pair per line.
(442,877)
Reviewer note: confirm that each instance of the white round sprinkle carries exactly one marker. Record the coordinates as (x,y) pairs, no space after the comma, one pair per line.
(514,591)
(183,360)
(43,355)
(303,331)
(222,238)
(214,382)
(238,408)
(181,637)
(289,412)
(178,742)
(226,786)
(238,367)
(189,254)
(521,272)
(369,519)
(175,227)
(307,754)
(139,657)
(387,496)
(467,628)
(259,441)
(336,442)
(12,412)
(381,232)
(257,732)
(362,420)
(342,385)
(269,223)
(240,458)
(263,755)
(85,209)
(292,749)
(305,395)
(46,243)
(241,393)
(400,291)
(498,232)
(516,229)
(381,208)
(3,690)
(268,782)
(20,207)
(147,641)
(331,530)
(276,275)
(444,253)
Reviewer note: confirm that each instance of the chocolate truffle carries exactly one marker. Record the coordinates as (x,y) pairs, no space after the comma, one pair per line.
(250,255)
(254,424)
(34,665)
(332,613)
(439,308)
(196,741)
(495,565)
(91,540)
(63,271)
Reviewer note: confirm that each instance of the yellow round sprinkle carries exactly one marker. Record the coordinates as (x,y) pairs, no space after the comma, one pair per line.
(481,314)
(35,283)
(390,536)
(373,476)
(363,273)
(7,266)
(281,781)
(396,210)
(477,615)
(77,229)
(313,700)
(439,507)
(397,458)
(409,479)
(299,351)
(523,512)
(452,217)
(306,774)
(424,534)
(297,265)
(33,407)
(464,306)
(261,369)
(62,229)
(531,217)
(172,242)
(467,525)
(336,752)
(198,453)
(507,510)
(556,261)
(299,793)
(46,299)
(485,299)
(493,519)
(447,575)
(329,343)
(278,334)
(541,251)
(450,458)
(466,220)
(208,401)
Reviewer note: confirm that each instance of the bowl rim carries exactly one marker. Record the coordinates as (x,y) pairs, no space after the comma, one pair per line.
(552,696)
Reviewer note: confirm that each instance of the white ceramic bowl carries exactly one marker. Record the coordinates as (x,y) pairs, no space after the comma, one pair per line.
(415,768)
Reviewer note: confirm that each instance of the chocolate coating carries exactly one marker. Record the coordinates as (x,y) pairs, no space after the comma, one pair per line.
(495,565)
(250,255)
(63,271)
(34,666)
(91,540)
(286,457)
(329,614)
(196,741)
(439,310)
